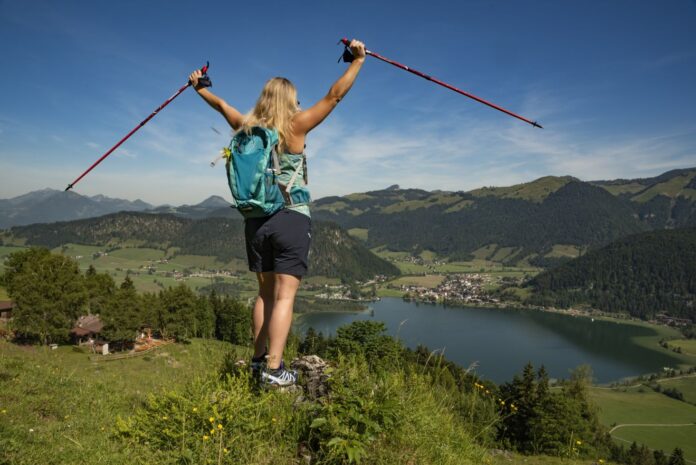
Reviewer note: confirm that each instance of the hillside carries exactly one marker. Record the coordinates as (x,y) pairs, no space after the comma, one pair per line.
(542,222)
(646,274)
(530,218)
(664,201)
(334,253)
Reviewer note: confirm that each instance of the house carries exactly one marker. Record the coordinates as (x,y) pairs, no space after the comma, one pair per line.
(6,307)
(87,329)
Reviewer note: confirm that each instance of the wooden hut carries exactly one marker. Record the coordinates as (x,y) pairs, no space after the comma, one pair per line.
(6,307)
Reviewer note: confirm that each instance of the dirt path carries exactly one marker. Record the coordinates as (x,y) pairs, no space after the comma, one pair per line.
(648,424)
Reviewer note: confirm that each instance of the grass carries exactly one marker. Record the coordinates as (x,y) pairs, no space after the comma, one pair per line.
(459,206)
(665,438)
(138,254)
(384,292)
(3,294)
(688,346)
(133,261)
(516,459)
(359,233)
(429,281)
(673,188)
(504,252)
(630,188)
(483,253)
(171,406)
(57,406)
(641,405)
(687,386)
(561,250)
(535,191)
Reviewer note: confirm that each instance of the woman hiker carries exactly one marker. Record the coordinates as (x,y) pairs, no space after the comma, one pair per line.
(278,245)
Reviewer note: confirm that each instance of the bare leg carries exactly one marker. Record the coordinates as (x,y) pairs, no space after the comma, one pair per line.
(262,311)
(286,286)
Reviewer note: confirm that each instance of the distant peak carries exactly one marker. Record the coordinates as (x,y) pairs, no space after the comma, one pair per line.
(393,187)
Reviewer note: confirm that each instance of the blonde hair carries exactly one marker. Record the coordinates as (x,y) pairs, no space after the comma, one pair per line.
(275,108)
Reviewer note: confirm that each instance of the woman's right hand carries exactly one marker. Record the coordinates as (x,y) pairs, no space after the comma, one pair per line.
(357,48)
(193,78)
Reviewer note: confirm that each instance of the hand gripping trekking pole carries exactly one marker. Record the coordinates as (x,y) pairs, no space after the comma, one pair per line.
(347,56)
(204,81)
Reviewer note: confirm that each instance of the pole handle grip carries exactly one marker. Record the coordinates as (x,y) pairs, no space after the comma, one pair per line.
(204,81)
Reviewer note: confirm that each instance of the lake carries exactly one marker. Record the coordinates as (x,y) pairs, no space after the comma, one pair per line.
(501,342)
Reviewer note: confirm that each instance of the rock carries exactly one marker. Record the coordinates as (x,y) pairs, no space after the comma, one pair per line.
(312,378)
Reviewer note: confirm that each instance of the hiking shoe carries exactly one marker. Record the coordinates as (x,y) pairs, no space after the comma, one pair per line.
(258,365)
(279,377)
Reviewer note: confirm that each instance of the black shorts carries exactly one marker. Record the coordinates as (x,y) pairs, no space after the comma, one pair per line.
(279,242)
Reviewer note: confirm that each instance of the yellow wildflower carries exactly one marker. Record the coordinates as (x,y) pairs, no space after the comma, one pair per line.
(4,411)
(205,438)
(219,426)
(211,419)
(165,417)
(195,409)
(600,461)
(212,431)
(225,450)
(578,442)
(273,419)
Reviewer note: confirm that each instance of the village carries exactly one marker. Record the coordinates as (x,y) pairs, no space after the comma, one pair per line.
(455,288)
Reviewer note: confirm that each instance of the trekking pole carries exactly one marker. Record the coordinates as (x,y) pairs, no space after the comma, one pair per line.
(347,56)
(204,81)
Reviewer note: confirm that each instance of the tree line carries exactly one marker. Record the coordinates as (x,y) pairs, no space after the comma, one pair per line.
(644,275)
(333,252)
(50,293)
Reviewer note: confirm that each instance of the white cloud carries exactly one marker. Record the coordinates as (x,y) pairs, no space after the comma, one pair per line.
(168,161)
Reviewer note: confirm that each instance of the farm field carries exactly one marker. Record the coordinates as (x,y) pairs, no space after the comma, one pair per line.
(640,405)
(686,385)
(136,263)
(429,281)
(56,404)
(688,346)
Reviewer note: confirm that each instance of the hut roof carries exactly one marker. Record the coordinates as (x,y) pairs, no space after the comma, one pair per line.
(6,305)
(87,324)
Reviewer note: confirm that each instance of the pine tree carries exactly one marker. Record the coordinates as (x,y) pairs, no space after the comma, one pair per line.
(677,457)
(48,291)
(123,316)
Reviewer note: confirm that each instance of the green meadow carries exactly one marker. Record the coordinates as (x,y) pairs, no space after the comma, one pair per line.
(651,413)
(58,407)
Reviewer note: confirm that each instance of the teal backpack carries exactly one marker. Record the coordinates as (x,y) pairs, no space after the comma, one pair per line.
(253,172)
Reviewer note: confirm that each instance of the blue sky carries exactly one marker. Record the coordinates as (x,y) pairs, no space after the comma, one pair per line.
(612,83)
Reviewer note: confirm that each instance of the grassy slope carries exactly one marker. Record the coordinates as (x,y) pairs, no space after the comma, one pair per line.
(673,188)
(631,406)
(535,191)
(56,405)
(687,386)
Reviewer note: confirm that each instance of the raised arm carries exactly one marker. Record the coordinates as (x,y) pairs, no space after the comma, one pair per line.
(308,119)
(231,114)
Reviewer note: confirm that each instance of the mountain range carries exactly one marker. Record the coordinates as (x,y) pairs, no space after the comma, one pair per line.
(541,222)
(333,253)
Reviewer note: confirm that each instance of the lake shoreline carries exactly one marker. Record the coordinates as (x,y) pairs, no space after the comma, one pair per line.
(646,340)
